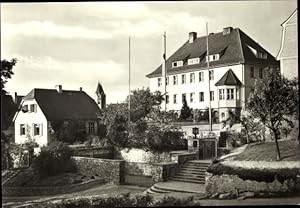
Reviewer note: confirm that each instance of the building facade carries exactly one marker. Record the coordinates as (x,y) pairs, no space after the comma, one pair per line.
(288,52)
(236,64)
(41,107)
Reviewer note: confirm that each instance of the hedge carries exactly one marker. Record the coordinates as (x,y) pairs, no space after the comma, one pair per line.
(123,200)
(266,175)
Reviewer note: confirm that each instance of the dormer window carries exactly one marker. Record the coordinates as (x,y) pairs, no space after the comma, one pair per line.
(258,54)
(177,64)
(214,57)
(193,61)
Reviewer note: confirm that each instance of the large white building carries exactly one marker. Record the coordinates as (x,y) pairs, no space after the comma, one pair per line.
(236,64)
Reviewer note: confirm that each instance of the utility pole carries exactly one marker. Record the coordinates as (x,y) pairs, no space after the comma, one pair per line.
(209,97)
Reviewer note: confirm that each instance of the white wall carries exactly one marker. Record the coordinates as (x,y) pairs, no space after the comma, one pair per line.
(196,87)
(31,118)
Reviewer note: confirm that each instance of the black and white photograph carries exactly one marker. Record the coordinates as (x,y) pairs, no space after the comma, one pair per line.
(149,104)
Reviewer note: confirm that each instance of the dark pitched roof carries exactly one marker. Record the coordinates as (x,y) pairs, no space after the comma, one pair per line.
(233,48)
(229,78)
(99,89)
(67,105)
(18,99)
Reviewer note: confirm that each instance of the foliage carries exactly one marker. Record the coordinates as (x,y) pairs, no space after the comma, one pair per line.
(186,111)
(274,102)
(266,174)
(54,159)
(234,139)
(6,72)
(123,200)
(252,128)
(69,131)
(148,127)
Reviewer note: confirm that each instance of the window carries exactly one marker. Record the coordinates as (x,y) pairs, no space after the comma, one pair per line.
(167,80)
(193,61)
(212,96)
(33,108)
(252,75)
(214,57)
(237,94)
(265,56)
(192,77)
(261,73)
(221,94)
(175,81)
(22,129)
(167,99)
(25,108)
(175,99)
(183,97)
(192,97)
(36,129)
(183,79)
(177,64)
(158,82)
(230,94)
(201,77)
(211,75)
(91,127)
(201,96)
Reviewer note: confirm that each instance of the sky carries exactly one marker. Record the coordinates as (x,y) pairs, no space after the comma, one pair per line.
(77,44)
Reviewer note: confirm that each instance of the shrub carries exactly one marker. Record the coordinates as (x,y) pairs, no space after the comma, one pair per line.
(267,175)
(54,159)
(124,200)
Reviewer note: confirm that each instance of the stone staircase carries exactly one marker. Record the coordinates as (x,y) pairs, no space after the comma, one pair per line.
(189,179)
(8,174)
(192,171)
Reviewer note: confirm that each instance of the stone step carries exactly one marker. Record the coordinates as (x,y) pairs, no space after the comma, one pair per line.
(180,189)
(158,190)
(195,165)
(190,175)
(198,170)
(188,180)
(188,171)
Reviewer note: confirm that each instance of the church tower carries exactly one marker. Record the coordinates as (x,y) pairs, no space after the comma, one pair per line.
(100,96)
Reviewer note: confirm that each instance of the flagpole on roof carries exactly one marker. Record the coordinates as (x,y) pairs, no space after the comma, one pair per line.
(209,97)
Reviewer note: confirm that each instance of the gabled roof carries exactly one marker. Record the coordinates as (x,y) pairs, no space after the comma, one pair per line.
(68,105)
(229,78)
(233,49)
(293,15)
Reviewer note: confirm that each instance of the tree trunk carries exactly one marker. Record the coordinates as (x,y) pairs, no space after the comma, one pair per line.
(277,146)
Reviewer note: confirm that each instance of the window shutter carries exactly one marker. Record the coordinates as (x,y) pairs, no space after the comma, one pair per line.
(32,130)
(20,130)
(35,107)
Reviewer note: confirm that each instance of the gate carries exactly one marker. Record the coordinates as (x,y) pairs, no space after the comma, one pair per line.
(207,149)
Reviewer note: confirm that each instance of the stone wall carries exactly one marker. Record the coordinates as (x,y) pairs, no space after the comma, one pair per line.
(48,190)
(112,171)
(94,152)
(221,184)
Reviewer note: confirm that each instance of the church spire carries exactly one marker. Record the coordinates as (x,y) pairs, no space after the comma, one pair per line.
(100,96)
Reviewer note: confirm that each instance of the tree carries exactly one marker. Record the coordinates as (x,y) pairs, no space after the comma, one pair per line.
(274,102)
(8,107)
(185,111)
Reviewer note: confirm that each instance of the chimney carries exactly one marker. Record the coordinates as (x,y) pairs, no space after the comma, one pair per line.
(192,37)
(80,88)
(227,30)
(58,88)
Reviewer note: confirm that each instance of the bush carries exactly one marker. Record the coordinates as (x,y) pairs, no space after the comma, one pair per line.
(54,159)
(124,200)
(266,175)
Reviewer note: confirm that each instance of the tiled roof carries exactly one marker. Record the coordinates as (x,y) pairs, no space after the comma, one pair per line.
(229,78)
(233,48)
(67,105)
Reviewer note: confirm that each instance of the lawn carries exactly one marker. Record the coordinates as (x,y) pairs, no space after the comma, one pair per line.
(289,151)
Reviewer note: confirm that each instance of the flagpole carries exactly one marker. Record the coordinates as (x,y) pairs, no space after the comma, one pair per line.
(129,65)
(209,97)
(164,71)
